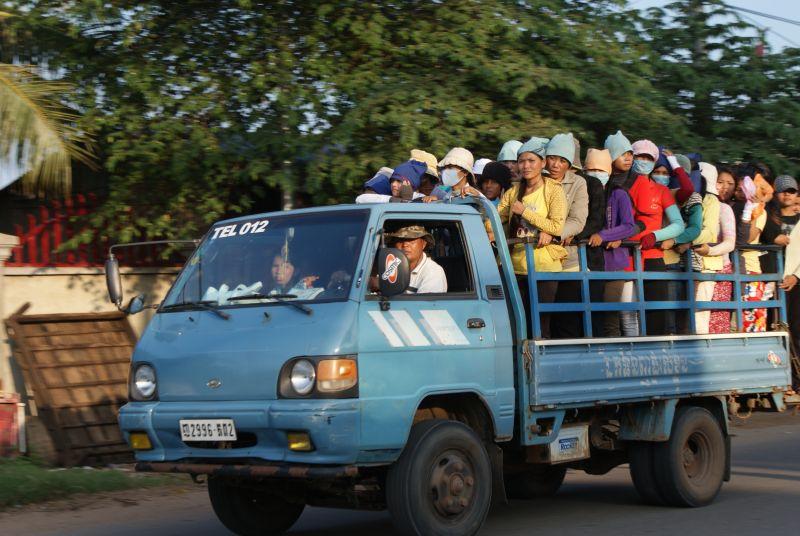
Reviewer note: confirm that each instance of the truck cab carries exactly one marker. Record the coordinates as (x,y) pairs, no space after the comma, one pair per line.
(291,364)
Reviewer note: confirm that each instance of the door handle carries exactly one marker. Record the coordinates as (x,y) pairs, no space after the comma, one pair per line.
(475,323)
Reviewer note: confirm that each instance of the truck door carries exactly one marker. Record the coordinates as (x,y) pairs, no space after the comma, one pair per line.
(417,344)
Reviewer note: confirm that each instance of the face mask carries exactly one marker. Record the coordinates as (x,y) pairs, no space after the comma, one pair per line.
(450,177)
(643,167)
(663,180)
(602,176)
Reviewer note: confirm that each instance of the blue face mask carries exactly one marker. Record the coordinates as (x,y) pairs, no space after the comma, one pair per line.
(450,177)
(643,167)
(602,176)
(663,180)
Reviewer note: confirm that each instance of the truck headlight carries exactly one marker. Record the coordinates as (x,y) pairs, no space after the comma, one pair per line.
(143,382)
(302,377)
(336,375)
(324,376)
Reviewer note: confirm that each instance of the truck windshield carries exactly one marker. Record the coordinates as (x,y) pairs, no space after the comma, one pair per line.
(298,257)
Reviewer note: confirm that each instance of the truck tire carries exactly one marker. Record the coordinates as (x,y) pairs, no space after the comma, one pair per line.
(249,511)
(690,467)
(535,483)
(442,483)
(640,458)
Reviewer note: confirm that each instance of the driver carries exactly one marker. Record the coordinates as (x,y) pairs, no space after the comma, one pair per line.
(427,277)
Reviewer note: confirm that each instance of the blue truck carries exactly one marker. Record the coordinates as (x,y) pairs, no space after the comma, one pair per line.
(289,366)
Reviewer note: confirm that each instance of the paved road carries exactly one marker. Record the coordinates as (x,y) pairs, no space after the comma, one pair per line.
(763,496)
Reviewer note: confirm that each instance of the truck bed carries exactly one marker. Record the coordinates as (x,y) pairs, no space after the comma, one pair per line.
(590,372)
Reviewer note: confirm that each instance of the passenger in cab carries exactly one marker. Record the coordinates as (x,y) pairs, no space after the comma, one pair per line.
(508,157)
(286,279)
(536,208)
(427,277)
(494,181)
(652,202)
(559,155)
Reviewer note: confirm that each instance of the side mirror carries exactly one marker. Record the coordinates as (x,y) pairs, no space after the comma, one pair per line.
(113,280)
(394,272)
(136,305)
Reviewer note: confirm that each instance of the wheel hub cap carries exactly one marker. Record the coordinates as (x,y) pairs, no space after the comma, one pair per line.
(451,484)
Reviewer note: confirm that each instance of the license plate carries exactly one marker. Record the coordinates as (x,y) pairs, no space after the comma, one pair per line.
(207,430)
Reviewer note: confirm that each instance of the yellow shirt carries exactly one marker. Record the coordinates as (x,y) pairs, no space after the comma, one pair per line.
(751,262)
(545,209)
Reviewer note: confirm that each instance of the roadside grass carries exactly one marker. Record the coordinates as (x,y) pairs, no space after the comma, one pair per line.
(24,480)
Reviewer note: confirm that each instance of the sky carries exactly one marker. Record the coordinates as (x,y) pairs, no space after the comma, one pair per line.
(779,34)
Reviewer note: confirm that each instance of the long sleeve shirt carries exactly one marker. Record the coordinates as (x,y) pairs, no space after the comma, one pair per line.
(692,214)
(577,196)
(652,202)
(550,219)
(619,225)
(727,234)
(595,221)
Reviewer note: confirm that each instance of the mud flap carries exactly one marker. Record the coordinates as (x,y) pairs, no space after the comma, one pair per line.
(498,486)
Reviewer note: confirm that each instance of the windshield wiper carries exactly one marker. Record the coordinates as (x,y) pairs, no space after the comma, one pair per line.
(205,305)
(281,298)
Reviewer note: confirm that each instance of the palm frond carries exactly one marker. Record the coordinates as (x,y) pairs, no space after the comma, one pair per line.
(41,130)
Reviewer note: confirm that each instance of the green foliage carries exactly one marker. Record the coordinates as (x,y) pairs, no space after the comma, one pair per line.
(25,481)
(739,105)
(207,109)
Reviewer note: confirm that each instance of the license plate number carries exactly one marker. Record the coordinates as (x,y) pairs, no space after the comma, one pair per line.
(207,430)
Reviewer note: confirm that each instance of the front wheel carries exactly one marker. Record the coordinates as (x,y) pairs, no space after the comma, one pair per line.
(250,511)
(442,483)
(690,466)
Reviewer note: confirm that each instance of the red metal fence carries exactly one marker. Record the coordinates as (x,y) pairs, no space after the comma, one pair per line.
(53,225)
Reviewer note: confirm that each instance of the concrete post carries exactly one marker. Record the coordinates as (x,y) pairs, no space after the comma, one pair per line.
(7,243)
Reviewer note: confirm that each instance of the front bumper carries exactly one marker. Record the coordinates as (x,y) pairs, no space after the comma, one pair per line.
(334,427)
(265,470)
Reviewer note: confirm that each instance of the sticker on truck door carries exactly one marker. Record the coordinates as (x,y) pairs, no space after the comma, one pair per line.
(435,327)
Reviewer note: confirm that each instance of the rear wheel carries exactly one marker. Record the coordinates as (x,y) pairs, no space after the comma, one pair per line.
(249,511)
(535,483)
(442,483)
(690,467)
(640,454)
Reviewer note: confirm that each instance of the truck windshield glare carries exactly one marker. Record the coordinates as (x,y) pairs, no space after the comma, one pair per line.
(264,259)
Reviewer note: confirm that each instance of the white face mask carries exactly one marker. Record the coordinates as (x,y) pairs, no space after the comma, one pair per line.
(450,177)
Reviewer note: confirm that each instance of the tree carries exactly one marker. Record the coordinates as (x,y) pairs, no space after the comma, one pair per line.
(740,103)
(38,131)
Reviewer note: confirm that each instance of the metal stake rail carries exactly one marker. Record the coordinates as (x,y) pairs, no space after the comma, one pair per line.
(639,276)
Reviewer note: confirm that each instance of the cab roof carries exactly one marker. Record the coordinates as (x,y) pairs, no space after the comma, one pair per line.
(457,206)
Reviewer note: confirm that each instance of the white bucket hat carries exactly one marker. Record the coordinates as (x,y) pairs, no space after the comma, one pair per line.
(458,156)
